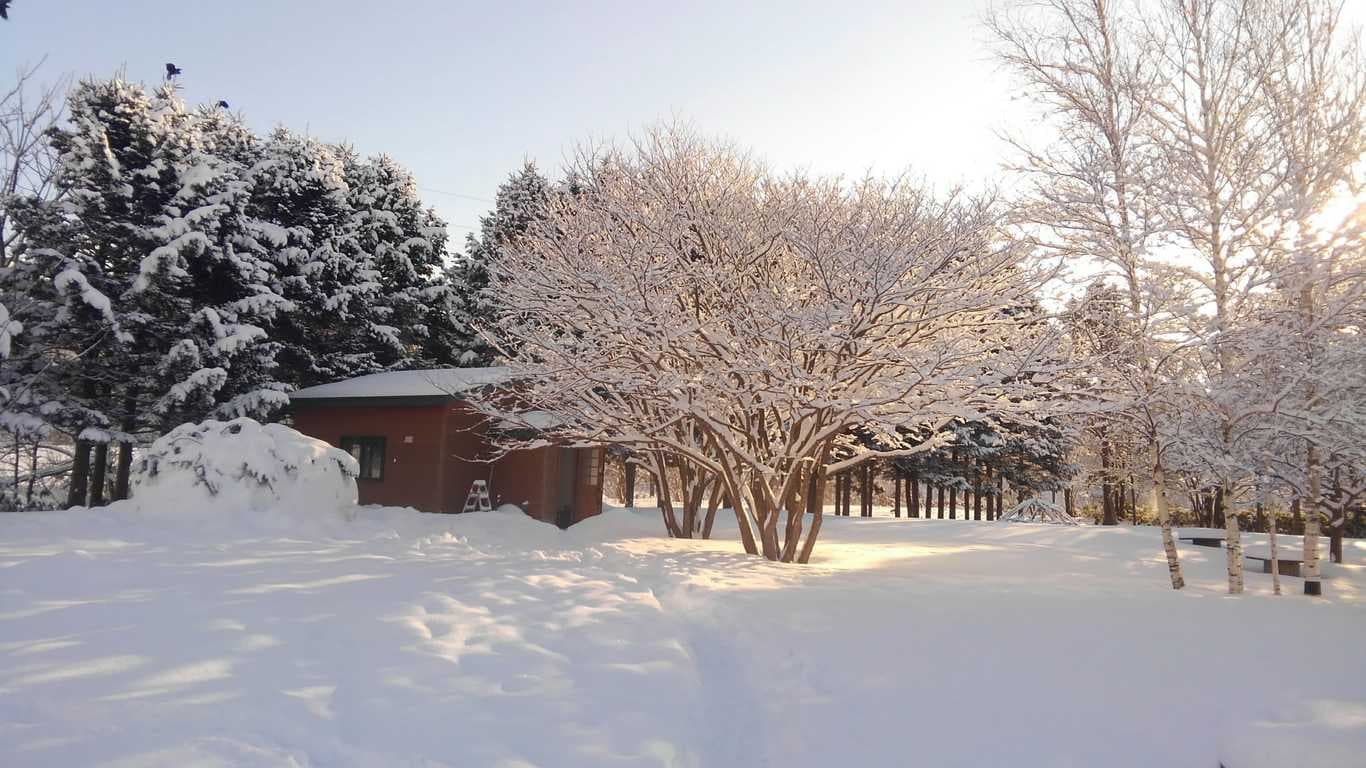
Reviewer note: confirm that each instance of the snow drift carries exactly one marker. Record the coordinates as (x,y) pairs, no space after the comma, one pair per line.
(1310,734)
(242,467)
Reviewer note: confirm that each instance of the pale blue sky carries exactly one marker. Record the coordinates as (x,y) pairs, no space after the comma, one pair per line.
(462,92)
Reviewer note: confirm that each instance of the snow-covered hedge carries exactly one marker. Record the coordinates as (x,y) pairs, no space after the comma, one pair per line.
(217,468)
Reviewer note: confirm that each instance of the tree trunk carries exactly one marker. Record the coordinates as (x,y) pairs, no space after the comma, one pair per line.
(1310,569)
(913,496)
(1234,549)
(628,490)
(122,470)
(866,491)
(896,494)
(1107,494)
(767,512)
(99,465)
(80,475)
(953,503)
(1164,519)
(977,495)
(742,518)
(663,499)
(1275,553)
(32,473)
(1067,502)
(990,500)
(815,504)
(693,481)
(941,501)
(817,509)
(713,503)
(1337,519)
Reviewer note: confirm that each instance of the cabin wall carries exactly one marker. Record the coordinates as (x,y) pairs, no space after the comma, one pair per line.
(412,453)
(434,453)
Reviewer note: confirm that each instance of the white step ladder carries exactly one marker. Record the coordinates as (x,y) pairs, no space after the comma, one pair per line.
(477,500)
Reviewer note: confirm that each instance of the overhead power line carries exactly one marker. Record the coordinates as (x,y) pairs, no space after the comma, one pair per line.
(455,194)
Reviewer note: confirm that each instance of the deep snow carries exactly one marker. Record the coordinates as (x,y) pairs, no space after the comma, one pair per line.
(494,640)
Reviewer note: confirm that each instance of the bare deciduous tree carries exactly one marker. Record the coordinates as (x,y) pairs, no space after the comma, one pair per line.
(1088,199)
(682,300)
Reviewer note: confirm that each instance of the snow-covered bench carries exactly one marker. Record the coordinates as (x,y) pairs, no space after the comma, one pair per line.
(1290,562)
(1203,537)
(1290,553)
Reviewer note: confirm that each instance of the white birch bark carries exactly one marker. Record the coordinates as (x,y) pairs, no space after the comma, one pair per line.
(1233,544)
(1310,569)
(1275,554)
(1164,519)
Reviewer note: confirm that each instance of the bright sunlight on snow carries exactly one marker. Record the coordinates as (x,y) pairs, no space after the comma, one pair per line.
(491,639)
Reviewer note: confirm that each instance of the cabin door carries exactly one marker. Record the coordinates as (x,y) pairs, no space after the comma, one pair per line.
(569,473)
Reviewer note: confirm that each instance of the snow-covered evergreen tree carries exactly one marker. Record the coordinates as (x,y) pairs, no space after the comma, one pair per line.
(206,291)
(300,196)
(183,268)
(116,174)
(521,201)
(404,243)
(156,298)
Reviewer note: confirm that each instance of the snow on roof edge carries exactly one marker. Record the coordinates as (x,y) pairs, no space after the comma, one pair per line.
(431,382)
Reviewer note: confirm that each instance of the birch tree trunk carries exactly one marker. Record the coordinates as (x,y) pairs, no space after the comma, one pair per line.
(1310,570)
(1164,519)
(1234,548)
(1275,554)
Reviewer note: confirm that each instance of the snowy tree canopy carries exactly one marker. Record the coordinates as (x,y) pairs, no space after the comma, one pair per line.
(686,301)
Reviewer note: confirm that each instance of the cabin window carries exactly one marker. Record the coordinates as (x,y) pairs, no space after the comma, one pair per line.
(369,453)
(594,467)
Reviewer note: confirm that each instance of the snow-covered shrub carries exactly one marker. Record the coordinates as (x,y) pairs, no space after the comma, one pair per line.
(1036,510)
(241,466)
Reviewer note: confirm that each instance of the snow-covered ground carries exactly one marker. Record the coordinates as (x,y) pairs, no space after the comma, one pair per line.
(494,640)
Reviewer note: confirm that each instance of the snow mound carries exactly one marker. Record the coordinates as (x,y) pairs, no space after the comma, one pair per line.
(1315,734)
(241,467)
(1036,510)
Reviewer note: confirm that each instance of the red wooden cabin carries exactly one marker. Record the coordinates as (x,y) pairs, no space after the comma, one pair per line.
(420,444)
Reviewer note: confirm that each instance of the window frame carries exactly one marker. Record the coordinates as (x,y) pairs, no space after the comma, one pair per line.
(367,443)
(595,462)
